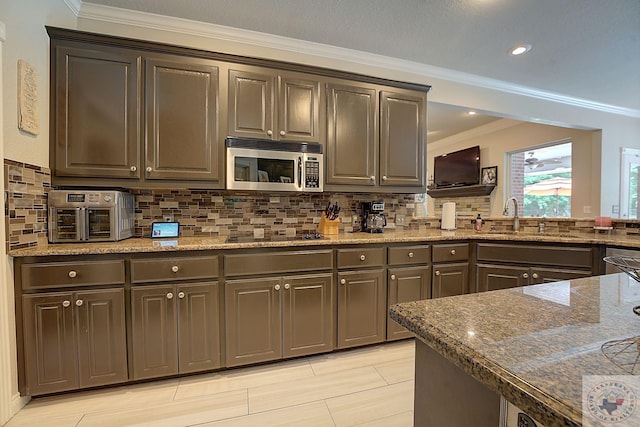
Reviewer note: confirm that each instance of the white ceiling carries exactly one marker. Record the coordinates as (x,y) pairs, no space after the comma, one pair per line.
(584,49)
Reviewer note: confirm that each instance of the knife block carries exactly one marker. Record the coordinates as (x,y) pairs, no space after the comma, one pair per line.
(328,226)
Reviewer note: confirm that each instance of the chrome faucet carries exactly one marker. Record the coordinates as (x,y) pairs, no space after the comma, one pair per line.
(516,220)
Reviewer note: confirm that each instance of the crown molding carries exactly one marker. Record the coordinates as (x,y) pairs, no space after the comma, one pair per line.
(153,21)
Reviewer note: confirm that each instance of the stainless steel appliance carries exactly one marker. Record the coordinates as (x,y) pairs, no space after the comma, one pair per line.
(373,218)
(90,215)
(254,164)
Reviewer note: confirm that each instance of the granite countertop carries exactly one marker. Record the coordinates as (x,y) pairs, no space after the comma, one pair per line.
(533,344)
(135,245)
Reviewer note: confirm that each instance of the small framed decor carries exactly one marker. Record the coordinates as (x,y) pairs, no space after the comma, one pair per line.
(489,175)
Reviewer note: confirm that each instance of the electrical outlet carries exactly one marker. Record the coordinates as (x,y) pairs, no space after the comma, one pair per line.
(401,219)
(167,218)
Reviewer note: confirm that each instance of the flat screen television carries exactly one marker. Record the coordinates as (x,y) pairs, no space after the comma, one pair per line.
(458,168)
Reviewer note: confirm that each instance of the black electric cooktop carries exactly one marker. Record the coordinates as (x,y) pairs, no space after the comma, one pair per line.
(275,238)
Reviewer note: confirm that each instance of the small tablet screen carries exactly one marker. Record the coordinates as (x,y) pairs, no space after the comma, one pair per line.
(165,229)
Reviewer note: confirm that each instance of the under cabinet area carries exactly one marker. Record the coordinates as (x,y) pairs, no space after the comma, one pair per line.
(503,265)
(450,269)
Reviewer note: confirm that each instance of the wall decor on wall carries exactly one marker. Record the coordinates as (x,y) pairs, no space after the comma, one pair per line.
(489,175)
(28,98)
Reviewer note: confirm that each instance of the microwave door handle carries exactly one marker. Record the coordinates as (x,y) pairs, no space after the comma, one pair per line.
(300,183)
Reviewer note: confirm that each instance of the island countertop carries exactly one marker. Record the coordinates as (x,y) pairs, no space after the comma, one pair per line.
(533,344)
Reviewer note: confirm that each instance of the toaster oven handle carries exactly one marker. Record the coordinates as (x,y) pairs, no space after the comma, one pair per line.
(300,183)
(82,225)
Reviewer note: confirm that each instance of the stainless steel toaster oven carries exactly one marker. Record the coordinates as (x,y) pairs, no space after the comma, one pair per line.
(90,216)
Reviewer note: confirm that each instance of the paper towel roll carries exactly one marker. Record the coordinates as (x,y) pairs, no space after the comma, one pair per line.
(448,221)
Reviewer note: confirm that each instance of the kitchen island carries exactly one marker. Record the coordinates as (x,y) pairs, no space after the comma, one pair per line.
(532,345)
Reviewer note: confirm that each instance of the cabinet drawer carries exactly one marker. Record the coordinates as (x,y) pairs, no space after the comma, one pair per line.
(80,273)
(277,262)
(450,252)
(171,269)
(536,255)
(407,255)
(361,257)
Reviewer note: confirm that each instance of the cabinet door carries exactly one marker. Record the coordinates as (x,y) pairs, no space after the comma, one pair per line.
(253,320)
(402,138)
(251,103)
(548,275)
(308,313)
(198,327)
(182,140)
(450,279)
(494,277)
(362,303)
(406,284)
(153,330)
(102,337)
(352,141)
(97,112)
(49,343)
(298,108)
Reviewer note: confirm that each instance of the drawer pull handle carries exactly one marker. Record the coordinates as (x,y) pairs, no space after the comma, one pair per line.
(73,274)
(372,178)
(175,268)
(282,133)
(149,169)
(384,177)
(79,303)
(180,295)
(525,275)
(393,277)
(133,168)
(276,287)
(270,132)
(343,281)
(437,273)
(66,303)
(287,286)
(169,295)
(534,275)
(362,257)
(453,251)
(410,254)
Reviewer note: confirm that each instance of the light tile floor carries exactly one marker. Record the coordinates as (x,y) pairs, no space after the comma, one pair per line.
(371,386)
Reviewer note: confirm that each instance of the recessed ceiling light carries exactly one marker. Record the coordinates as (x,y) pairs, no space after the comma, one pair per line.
(471,113)
(520,49)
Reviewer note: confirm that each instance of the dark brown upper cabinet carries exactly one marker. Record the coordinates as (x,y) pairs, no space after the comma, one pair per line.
(181,116)
(271,104)
(95,111)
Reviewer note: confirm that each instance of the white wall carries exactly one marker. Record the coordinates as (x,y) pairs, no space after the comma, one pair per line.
(25,38)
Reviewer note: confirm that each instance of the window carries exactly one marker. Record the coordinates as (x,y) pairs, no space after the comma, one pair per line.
(629,183)
(540,178)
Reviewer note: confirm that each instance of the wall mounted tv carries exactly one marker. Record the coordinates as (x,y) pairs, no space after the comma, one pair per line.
(458,168)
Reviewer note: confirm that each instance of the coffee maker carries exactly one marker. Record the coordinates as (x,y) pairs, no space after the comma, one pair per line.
(373,218)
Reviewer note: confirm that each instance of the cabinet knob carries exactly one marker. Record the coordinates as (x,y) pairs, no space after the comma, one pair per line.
(149,169)
(393,277)
(453,251)
(372,177)
(133,168)
(277,287)
(72,274)
(534,275)
(362,257)
(410,254)
(437,273)
(282,133)
(525,275)
(269,132)
(169,295)
(175,268)
(384,177)
(66,303)
(343,281)
(287,286)
(181,295)
(79,302)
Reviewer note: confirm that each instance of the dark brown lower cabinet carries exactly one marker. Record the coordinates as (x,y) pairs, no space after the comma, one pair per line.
(406,284)
(362,304)
(493,277)
(268,318)
(74,340)
(174,329)
(450,279)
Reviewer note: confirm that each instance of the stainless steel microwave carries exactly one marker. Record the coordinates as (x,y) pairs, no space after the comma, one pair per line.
(90,216)
(255,164)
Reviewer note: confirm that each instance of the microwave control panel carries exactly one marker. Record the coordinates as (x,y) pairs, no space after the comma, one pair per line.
(311,173)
